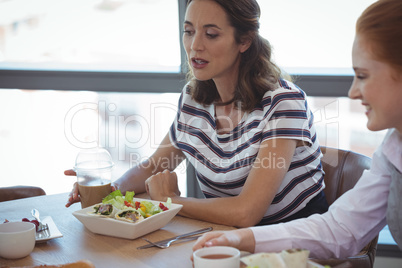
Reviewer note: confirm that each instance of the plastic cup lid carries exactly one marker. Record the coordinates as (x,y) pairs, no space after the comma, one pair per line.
(93,159)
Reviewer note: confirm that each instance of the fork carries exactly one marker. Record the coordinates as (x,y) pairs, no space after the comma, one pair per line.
(168,243)
(45,234)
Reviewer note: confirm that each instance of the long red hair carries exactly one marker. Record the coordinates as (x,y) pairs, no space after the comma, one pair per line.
(380,26)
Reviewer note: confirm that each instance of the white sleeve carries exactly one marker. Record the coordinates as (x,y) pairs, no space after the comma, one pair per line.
(351,222)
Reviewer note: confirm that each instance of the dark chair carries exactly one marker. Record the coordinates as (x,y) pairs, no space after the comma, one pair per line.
(18,192)
(342,171)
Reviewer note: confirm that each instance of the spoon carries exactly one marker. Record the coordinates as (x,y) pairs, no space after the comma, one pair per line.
(35,214)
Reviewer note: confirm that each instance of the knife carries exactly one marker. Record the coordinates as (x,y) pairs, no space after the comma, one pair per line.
(178,237)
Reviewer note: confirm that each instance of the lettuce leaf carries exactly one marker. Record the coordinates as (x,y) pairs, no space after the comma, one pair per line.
(148,205)
(129,196)
(111,196)
(169,202)
(150,208)
(155,210)
(116,204)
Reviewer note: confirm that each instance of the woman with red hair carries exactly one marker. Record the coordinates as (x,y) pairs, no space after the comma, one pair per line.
(360,214)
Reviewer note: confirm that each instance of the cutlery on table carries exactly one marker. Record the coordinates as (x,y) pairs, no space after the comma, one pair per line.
(41,227)
(168,243)
(164,242)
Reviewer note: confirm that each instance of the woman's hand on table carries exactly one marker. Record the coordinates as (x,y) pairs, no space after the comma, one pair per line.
(162,185)
(243,239)
(74,195)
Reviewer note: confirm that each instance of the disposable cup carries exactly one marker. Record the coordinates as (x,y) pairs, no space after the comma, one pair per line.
(94,175)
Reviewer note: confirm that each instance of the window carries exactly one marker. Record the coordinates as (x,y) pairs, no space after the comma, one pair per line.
(42,132)
(91,35)
(311,36)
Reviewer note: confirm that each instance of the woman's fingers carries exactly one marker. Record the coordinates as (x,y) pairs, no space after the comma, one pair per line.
(214,239)
(73,196)
(114,188)
(205,240)
(70,172)
(162,185)
(242,239)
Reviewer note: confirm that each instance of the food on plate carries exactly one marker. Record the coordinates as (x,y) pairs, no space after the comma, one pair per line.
(130,215)
(107,210)
(147,208)
(125,208)
(27,220)
(117,199)
(264,260)
(294,258)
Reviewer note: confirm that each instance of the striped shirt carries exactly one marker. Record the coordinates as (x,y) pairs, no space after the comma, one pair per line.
(223,161)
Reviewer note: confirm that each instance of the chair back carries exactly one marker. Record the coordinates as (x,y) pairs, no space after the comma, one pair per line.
(18,192)
(343,169)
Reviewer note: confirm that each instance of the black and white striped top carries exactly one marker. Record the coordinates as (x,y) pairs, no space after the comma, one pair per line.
(223,161)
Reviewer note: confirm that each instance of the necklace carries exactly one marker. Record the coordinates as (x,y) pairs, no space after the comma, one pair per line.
(224,103)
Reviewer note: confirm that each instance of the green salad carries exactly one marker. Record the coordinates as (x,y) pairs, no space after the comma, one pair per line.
(145,208)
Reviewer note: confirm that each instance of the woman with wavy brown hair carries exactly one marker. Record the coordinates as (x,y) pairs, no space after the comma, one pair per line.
(360,214)
(257,72)
(248,133)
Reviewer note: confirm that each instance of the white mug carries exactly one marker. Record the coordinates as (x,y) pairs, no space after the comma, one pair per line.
(217,257)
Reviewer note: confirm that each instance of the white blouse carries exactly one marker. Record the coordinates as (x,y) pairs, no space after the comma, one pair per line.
(352,221)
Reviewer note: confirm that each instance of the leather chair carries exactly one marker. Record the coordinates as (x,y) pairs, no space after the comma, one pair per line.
(18,192)
(342,171)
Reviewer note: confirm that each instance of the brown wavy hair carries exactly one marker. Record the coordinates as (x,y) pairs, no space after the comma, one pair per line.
(257,74)
(380,26)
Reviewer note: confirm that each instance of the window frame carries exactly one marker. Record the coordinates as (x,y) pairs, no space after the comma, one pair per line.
(314,85)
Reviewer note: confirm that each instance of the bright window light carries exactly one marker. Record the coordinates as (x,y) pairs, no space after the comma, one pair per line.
(104,35)
(311,36)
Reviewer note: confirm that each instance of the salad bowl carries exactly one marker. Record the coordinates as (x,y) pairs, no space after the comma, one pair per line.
(111,227)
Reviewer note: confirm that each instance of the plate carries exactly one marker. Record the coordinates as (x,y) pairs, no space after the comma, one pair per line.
(246,260)
(51,233)
(112,227)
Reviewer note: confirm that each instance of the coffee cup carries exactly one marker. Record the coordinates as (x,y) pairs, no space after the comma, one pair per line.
(94,175)
(17,239)
(217,257)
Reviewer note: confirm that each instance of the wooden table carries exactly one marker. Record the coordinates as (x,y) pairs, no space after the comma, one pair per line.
(79,243)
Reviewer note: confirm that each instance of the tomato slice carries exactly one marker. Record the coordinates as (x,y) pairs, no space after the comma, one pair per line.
(137,204)
(163,207)
(128,204)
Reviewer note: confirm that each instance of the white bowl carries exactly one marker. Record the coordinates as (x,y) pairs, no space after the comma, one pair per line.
(17,239)
(112,227)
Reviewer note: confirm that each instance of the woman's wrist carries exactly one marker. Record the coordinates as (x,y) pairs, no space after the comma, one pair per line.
(247,240)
